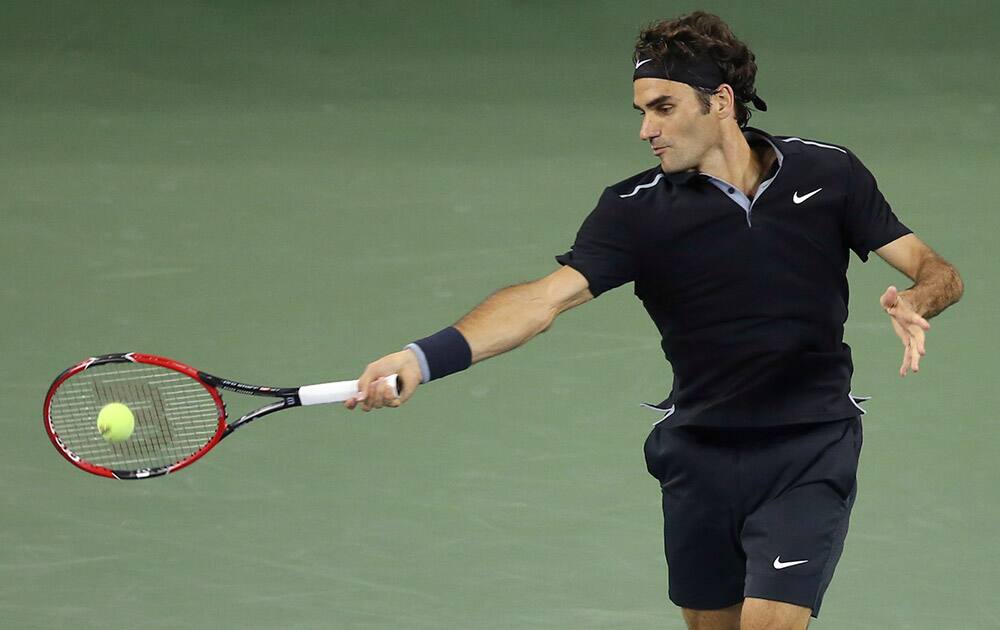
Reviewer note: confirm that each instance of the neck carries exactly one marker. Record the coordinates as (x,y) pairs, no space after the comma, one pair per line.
(734,161)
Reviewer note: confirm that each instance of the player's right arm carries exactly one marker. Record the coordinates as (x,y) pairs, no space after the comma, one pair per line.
(505,320)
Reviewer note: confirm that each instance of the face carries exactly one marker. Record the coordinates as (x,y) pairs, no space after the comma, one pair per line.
(673,123)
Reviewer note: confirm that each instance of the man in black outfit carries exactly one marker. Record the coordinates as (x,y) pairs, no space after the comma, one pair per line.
(737,243)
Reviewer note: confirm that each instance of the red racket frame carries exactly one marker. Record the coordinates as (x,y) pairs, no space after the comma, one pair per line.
(149,359)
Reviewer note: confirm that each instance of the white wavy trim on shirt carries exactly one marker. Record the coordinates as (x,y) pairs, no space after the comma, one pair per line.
(655,181)
(815,144)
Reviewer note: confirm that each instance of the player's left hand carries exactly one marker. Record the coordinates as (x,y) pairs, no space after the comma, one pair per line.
(910,327)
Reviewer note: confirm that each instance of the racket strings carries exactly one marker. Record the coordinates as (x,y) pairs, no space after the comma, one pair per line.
(175,416)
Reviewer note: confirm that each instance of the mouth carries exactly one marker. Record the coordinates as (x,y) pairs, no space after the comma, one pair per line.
(658,150)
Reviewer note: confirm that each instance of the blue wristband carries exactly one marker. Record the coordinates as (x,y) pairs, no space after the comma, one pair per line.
(443,353)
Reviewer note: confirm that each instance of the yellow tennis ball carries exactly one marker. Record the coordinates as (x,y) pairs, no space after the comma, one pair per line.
(115,422)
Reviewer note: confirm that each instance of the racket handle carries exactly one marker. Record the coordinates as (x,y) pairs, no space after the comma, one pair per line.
(339,391)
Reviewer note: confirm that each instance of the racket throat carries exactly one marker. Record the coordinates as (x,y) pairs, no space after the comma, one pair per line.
(288,402)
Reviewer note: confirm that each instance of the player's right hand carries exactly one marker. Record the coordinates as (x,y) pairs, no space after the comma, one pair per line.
(374,392)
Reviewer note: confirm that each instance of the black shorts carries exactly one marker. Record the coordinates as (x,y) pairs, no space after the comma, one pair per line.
(754,512)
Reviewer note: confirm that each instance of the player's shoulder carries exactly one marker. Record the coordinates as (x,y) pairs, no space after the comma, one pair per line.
(812,149)
(633,187)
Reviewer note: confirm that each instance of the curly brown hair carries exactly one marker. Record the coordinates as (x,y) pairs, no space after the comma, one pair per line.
(702,34)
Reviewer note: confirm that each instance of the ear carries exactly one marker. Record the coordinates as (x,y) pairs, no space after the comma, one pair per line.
(724,102)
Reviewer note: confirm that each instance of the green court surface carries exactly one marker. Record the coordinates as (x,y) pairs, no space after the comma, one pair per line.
(280,192)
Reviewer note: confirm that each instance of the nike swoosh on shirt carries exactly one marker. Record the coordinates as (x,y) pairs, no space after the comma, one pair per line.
(798,200)
(639,63)
(778,564)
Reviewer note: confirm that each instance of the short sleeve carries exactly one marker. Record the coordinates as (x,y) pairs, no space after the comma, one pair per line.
(869,222)
(604,251)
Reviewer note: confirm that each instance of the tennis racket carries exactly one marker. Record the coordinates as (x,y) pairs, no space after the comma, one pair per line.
(178,412)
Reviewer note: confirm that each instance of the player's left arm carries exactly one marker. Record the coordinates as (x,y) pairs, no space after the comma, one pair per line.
(936,286)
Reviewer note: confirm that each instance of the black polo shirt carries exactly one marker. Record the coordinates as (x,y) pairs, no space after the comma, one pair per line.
(750,296)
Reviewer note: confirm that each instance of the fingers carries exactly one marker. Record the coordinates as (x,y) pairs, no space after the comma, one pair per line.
(907,360)
(913,347)
(390,392)
(918,338)
(904,338)
(356,399)
(375,391)
(366,388)
(378,393)
(409,377)
(888,299)
(897,306)
(384,395)
(909,316)
(363,383)
(911,359)
(914,358)
(909,326)
(364,397)
(920,321)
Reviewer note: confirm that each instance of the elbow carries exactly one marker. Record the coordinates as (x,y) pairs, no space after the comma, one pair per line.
(959,286)
(954,282)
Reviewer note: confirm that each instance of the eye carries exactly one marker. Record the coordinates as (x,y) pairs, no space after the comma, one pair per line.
(666,109)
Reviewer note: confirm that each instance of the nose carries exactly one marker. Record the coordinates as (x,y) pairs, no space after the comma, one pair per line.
(646,130)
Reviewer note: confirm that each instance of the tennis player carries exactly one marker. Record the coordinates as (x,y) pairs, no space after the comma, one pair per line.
(737,243)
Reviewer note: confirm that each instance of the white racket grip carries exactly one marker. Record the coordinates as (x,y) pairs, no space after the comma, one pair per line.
(339,391)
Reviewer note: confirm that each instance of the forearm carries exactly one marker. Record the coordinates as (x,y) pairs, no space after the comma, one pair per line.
(507,319)
(937,287)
